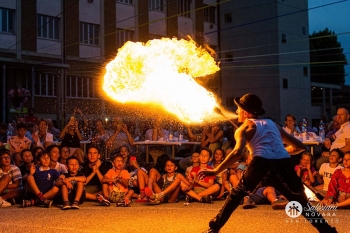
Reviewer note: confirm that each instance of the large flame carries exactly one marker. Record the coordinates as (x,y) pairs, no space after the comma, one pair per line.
(162,72)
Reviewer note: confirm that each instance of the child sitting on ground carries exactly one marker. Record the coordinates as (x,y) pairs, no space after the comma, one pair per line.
(222,178)
(138,179)
(203,189)
(73,185)
(237,172)
(339,186)
(167,186)
(327,169)
(195,163)
(41,183)
(115,183)
(305,170)
(10,180)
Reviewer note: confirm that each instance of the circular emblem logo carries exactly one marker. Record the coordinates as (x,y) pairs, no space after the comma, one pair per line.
(293,209)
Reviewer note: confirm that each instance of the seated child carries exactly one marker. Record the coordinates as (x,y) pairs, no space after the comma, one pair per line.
(339,188)
(138,179)
(167,186)
(41,186)
(73,185)
(305,170)
(115,183)
(10,180)
(27,159)
(327,169)
(195,163)
(222,178)
(203,189)
(236,171)
(18,143)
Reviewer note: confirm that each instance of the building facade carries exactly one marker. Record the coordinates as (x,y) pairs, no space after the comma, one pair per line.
(265,50)
(56,50)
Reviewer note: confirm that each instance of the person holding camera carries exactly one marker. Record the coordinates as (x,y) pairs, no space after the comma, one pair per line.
(121,135)
(71,138)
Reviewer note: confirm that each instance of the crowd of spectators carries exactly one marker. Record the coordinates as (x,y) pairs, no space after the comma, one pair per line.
(41,165)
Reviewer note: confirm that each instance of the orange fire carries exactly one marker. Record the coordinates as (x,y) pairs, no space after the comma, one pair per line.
(163,72)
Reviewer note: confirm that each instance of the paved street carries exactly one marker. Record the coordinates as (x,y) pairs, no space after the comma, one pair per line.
(155,218)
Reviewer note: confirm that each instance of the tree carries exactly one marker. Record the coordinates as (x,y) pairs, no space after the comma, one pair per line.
(327,58)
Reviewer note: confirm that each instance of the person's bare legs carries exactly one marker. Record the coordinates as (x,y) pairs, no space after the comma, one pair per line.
(92,196)
(33,188)
(154,176)
(79,191)
(4,182)
(270,194)
(209,191)
(12,193)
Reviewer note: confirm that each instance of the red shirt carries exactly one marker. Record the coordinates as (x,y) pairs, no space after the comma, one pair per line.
(339,183)
(206,179)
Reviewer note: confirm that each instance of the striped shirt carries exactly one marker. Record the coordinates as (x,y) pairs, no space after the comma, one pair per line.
(14,173)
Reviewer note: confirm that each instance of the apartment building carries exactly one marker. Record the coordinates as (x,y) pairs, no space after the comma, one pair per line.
(56,50)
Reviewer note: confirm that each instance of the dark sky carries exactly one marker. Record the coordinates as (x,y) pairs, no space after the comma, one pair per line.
(335,17)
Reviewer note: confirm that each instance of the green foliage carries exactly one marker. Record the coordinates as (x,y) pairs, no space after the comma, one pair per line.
(327,58)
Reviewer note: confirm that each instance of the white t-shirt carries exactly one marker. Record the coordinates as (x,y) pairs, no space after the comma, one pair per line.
(326,172)
(48,138)
(340,136)
(61,168)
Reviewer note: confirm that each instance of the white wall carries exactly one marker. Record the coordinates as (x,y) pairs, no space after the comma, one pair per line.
(211,38)
(8,40)
(124,16)
(185,27)
(89,12)
(10,4)
(89,51)
(49,7)
(158,27)
(49,46)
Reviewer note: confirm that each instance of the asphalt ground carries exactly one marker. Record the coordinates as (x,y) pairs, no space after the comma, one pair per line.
(143,217)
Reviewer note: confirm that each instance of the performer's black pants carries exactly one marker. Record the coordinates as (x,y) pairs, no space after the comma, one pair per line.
(277,173)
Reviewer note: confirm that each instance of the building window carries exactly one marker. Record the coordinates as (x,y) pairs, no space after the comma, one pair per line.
(184,8)
(125,1)
(45,85)
(80,87)
(228,18)
(305,71)
(155,5)
(123,36)
(7,20)
(209,14)
(48,27)
(89,33)
(284,38)
(285,83)
(303,31)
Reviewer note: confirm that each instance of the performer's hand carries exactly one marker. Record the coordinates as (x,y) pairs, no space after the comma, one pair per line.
(205,172)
